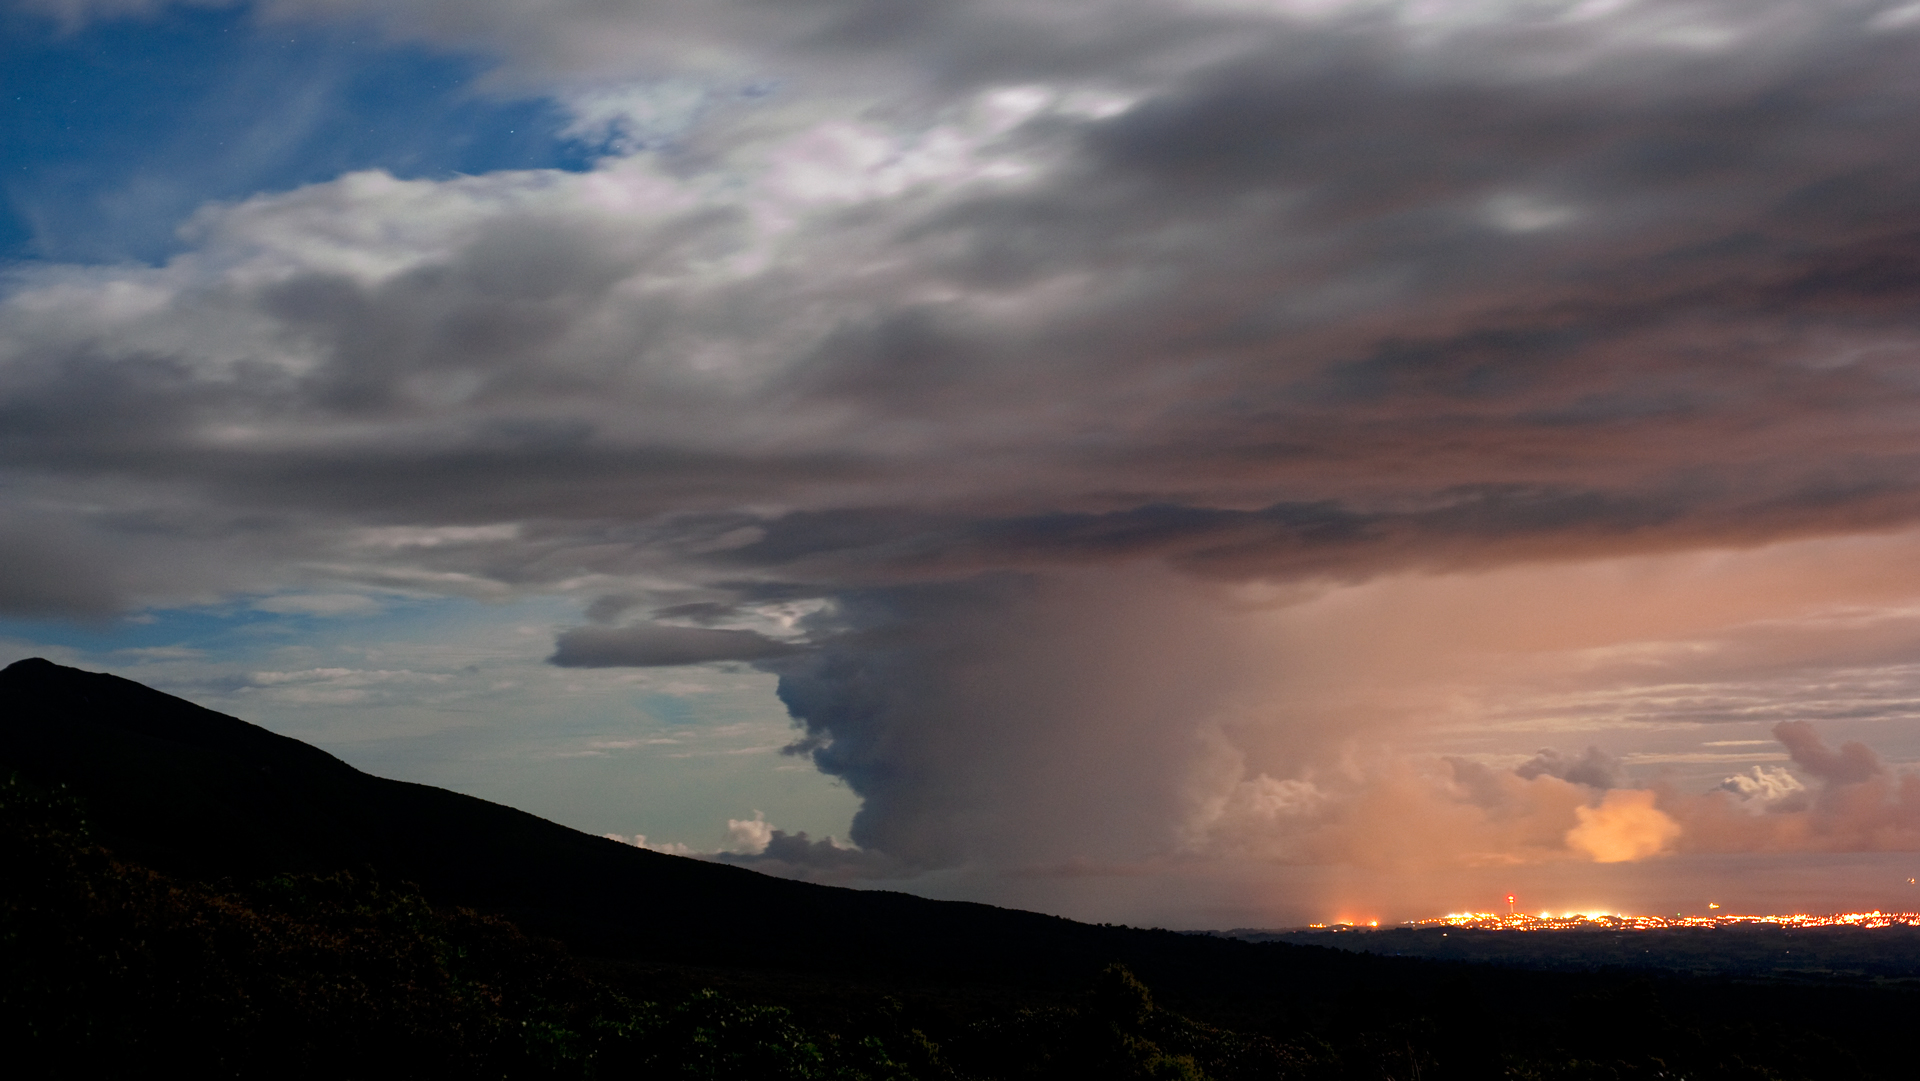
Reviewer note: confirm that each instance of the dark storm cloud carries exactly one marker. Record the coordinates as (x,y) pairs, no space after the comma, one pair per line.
(1028,304)
(1009,718)
(655,645)
(1467,527)
(1353,275)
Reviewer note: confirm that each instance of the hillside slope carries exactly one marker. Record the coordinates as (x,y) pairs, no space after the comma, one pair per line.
(202,795)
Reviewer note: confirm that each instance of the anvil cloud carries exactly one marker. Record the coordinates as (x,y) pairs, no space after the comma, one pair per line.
(1179,435)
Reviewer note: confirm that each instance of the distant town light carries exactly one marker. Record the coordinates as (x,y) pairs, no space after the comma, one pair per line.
(1490,921)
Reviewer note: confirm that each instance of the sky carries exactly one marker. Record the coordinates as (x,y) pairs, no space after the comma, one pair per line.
(1191,463)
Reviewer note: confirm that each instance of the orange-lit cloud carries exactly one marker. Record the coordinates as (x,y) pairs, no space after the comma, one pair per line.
(1625,826)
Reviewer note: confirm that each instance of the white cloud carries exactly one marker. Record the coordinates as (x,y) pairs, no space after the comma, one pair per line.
(1764,785)
(750,836)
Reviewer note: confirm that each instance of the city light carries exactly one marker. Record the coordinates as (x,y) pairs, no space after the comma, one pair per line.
(1607,921)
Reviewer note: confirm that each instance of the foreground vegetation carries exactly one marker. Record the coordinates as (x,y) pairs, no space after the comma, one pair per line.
(113,969)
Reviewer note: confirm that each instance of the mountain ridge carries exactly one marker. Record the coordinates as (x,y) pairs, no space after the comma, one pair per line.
(200,794)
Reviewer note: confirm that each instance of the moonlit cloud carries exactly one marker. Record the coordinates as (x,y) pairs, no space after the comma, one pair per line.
(1138,435)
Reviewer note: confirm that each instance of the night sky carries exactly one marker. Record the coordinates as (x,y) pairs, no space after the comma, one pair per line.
(1210,463)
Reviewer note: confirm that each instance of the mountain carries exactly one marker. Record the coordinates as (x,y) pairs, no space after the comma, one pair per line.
(204,796)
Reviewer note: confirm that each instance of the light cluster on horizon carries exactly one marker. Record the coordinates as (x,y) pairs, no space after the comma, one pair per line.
(1607,921)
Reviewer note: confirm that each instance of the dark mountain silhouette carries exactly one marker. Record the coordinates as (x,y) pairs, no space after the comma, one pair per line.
(204,796)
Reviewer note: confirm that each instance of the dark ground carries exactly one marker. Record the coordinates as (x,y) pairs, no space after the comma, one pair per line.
(1748,951)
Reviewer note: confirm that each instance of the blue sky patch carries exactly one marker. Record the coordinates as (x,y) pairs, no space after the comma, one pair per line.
(115,133)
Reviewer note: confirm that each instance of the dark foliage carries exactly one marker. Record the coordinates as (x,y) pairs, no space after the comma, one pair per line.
(114,970)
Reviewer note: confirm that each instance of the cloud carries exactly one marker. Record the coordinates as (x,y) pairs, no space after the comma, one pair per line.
(1595,768)
(795,855)
(319,604)
(1399,815)
(639,840)
(1767,786)
(354,687)
(1854,762)
(749,836)
(1854,804)
(44,576)
(657,645)
(372,348)
(1011,719)
(756,843)
(1161,417)
(1625,826)
(1396,814)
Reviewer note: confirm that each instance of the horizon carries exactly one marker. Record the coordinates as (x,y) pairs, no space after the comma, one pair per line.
(1183,463)
(1548,921)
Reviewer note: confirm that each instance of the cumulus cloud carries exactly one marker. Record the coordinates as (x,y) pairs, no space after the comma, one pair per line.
(1767,786)
(1013,720)
(756,843)
(1852,764)
(1847,802)
(1625,826)
(1594,767)
(1397,814)
(749,836)
(795,855)
(1024,346)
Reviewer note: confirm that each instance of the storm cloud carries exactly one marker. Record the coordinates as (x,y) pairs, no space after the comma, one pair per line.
(1028,360)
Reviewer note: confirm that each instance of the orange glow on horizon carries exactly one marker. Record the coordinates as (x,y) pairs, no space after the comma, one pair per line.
(1612,921)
